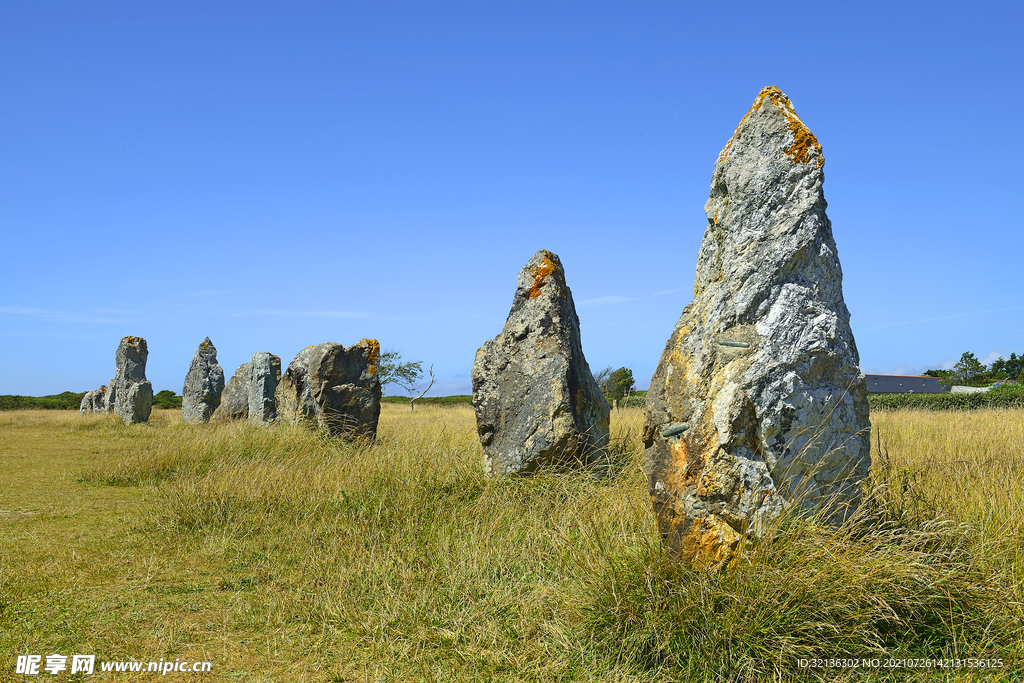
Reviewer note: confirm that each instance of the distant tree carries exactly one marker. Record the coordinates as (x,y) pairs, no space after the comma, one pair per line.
(1003,368)
(969,369)
(166,399)
(618,385)
(391,370)
(602,377)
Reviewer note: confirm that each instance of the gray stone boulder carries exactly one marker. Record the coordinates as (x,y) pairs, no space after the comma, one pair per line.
(134,391)
(334,387)
(110,398)
(262,376)
(204,385)
(537,403)
(234,400)
(757,403)
(99,399)
(86,406)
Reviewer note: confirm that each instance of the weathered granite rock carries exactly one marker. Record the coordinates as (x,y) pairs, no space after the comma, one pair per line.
(335,387)
(86,406)
(762,365)
(263,374)
(110,400)
(204,385)
(234,400)
(536,401)
(99,399)
(134,392)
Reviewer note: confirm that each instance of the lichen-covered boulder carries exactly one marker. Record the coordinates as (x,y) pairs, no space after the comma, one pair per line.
(757,402)
(134,391)
(537,403)
(334,387)
(86,406)
(204,385)
(234,400)
(262,376)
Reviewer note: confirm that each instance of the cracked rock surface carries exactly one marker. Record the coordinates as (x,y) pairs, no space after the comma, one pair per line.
(761,368)
(334,387)
(204,385)
(133,392)
(536,401)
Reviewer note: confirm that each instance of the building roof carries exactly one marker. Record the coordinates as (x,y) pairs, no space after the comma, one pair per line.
(903,384)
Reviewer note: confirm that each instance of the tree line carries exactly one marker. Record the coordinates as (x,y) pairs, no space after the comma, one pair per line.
(970,371)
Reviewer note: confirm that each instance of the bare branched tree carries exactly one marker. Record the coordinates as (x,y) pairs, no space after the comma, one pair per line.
(413,400)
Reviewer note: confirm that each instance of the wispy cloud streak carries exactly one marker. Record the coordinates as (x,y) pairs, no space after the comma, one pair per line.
(57,316)
(946,317)
(616,299)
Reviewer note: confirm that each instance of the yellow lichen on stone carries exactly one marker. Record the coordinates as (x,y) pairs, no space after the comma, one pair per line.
(540,273)
(373,354)
(805,148)
(711,542)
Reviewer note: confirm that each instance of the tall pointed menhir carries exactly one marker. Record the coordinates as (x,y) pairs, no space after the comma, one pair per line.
(756,403)
(536,401)
(204,385)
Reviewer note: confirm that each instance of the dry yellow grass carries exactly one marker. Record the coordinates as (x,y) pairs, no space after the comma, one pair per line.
(280,554)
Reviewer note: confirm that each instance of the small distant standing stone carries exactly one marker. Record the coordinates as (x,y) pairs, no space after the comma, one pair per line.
(110,399)
(86,407)
(234,401)
(99,400)
(334,386)
(263,375)
(204,385)
(536,401)
(134,391)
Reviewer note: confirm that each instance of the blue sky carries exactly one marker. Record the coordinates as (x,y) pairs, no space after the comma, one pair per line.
(274,175)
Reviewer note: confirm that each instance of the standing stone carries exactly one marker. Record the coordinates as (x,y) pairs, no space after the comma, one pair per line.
(110,400)
(335,387)
(86,406)
(204,385)
(757,403)
(263,374)
(134,392)
(234,401)
(99,399)
(536,401)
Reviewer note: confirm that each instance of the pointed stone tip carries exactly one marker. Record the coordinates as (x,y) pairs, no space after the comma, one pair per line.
(543,266)
(805,148)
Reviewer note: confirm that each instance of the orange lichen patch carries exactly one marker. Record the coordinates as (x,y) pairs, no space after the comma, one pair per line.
(711,543)
(805,148)
(540,273)
(373,355)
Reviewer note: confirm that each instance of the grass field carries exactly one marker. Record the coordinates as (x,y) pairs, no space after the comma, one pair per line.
(282,555)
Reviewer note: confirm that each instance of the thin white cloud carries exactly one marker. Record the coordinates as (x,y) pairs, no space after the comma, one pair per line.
(602,300)
(616,299)
(992,357)
(946,317)
(57,316)
(307,314)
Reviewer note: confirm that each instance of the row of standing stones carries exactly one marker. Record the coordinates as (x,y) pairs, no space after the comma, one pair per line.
(334,387)
(129,394)
(756,405)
